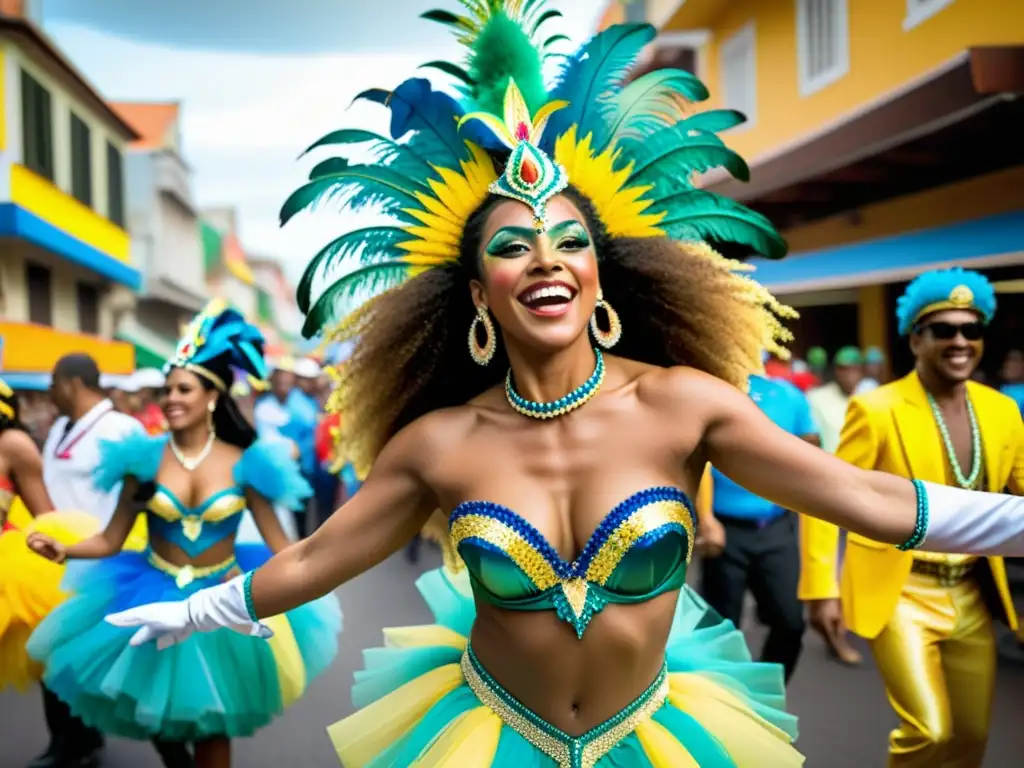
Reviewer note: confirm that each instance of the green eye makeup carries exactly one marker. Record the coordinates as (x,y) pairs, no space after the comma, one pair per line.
(512,241)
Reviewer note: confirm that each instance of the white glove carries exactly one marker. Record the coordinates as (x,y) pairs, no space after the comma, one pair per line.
(217,607)
(973,523)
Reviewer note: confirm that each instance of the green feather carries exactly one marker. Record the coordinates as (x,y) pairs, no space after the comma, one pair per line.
(713,120)
(649,103)
(348,293)
(502,50)
(445,17)
(369,243)
(358,186)
(328,167)
(450,69)
(397,157)
(667,159)
(552,40)
(696,214)
(544,17)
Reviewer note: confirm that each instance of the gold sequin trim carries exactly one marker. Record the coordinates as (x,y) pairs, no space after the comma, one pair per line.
(557,749)
(223,508)
(632,529)
(185,574)
(162,506)
(508,540)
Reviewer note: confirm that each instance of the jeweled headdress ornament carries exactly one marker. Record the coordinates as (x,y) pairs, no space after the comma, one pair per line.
(941,289)
(631,149)
(220,334)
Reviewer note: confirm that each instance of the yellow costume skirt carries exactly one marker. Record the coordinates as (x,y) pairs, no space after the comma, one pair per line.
(427,701)
(30,586)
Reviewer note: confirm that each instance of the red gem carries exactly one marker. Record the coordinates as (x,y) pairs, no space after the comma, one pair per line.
(528,171)
(522,132)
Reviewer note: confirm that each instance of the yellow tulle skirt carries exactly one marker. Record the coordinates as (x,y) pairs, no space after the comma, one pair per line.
(425,701)
(30,586)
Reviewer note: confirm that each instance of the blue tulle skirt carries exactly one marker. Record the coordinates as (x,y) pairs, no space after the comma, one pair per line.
(425,700)
(213,684)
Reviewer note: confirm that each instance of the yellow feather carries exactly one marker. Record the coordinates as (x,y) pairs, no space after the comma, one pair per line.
(433,248)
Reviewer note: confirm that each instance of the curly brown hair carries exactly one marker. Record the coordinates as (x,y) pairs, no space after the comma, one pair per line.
(679,304)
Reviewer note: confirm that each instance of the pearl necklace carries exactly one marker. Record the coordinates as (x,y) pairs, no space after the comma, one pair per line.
(971,481)
(562,405)
(191,463)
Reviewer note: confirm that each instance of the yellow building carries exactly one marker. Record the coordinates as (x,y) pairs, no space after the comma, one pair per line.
(883,137)
(66,277)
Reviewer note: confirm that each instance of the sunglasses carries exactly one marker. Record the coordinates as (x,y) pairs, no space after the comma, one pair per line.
(949,331)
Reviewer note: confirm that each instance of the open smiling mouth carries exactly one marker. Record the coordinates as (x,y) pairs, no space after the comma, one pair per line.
(548,298)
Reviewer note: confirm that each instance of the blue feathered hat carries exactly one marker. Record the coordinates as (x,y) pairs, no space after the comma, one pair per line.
(954,288)
(218,339)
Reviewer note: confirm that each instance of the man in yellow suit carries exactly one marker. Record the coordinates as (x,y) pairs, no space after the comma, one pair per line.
(928,617)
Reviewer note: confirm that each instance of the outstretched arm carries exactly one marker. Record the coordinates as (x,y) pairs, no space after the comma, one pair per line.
(745,445)
(390,508)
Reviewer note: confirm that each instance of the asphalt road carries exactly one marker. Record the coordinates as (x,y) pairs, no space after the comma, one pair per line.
(844,717)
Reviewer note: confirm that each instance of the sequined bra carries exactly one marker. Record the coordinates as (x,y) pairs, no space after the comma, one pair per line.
(640,550)
(196,529)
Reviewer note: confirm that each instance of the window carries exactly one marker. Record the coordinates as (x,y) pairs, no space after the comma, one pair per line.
(823,43)
(40,294)
(115,186)
(922,10)
(739,73)
(88,297)
(36,126)
(81,160)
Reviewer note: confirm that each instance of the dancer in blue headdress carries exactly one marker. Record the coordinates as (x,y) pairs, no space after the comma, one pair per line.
(199,479)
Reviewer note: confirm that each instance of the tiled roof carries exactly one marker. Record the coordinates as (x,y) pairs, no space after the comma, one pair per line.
(151,120)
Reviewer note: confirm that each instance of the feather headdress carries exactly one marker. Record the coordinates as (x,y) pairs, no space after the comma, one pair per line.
(220,337)
(632,149)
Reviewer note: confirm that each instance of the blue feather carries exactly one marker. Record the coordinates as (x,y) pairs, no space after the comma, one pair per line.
(269,469)
(136,455)
(433,116)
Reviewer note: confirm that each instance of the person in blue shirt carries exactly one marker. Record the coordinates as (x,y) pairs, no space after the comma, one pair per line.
(750,543)
(1012,377)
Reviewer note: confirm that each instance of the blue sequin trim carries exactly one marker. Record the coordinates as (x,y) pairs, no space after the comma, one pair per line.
(247,594)
(577,568)
(921,522)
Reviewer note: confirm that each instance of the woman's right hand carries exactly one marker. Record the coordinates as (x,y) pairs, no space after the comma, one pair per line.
(47,546)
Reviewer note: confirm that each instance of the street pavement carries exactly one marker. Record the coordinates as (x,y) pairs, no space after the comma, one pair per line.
(844,716)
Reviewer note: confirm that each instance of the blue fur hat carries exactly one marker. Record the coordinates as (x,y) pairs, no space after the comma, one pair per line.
(219,338)
(954,288)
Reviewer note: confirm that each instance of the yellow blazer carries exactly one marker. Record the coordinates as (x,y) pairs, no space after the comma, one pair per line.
(892,429)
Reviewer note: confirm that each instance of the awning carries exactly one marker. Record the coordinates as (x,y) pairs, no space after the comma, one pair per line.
(28,353)
(152,350)
(990,241)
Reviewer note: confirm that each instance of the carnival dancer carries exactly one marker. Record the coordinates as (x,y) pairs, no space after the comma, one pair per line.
(201,478)
(925,614)
(70,455)
(565,472)
(29,586)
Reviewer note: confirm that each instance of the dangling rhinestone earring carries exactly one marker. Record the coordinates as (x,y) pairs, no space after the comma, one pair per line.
(482,353)
(209,415)
(609,338)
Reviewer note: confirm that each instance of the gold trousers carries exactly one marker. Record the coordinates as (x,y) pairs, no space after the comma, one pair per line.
(937,657)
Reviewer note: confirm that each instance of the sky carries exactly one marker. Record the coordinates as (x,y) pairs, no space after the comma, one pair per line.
(257,87)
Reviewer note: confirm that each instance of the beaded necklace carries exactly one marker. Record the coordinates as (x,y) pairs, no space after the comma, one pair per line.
(971,481)
(562,405)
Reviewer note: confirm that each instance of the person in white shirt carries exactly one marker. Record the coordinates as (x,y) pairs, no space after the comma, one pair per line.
(70,454)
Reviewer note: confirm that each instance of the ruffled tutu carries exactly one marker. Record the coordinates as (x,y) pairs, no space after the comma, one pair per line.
(213,684)
(30,586)
(426,702)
